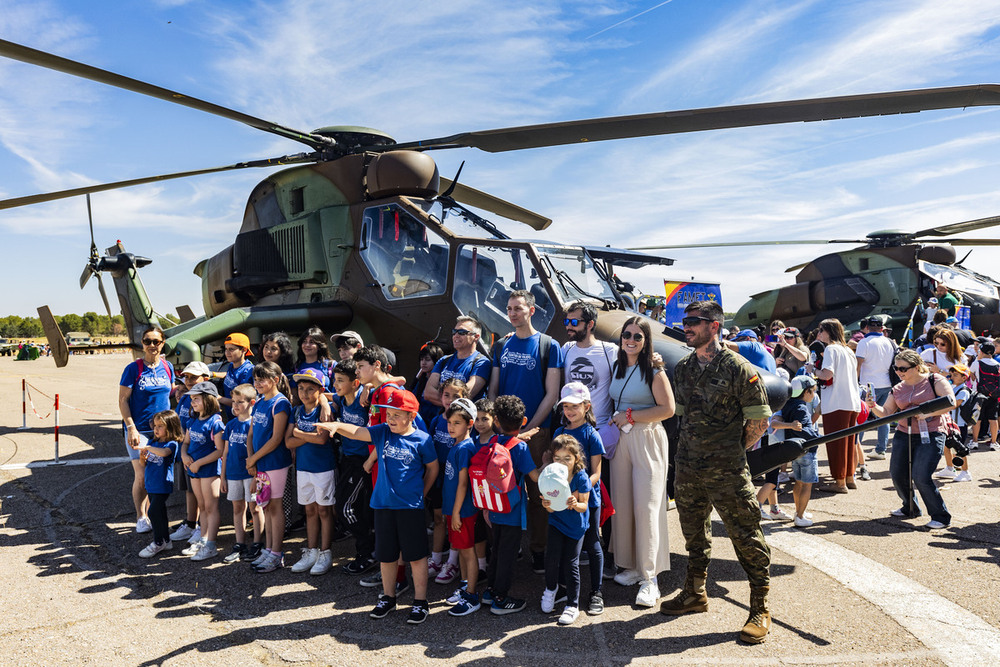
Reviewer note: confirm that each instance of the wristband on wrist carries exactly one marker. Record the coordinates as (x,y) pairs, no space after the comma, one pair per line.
(628,416)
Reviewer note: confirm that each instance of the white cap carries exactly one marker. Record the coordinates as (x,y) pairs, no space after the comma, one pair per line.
(574,392)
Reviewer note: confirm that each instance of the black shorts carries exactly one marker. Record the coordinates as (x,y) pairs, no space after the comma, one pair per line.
(482,532)
(400,532)
(991,406)
(181,481)
(434,500)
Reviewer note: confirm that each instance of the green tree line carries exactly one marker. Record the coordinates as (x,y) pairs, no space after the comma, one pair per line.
(14,326)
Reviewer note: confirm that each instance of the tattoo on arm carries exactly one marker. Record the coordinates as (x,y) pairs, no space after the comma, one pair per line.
(752,430)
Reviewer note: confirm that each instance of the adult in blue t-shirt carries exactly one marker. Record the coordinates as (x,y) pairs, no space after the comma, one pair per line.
(467,363)
(749,347)
(518,370)
(144,390)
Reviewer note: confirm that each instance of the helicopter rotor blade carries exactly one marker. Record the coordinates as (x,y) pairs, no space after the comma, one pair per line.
(713,118)
(104,295)
(735,244)
(959,227)
(101,187)
(488,202)
(970,242)
(85,276)
(50,61)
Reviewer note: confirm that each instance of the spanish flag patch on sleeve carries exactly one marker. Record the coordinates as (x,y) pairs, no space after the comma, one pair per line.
(754,378)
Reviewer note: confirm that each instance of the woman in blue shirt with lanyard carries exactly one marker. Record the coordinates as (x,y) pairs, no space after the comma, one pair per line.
(143,391)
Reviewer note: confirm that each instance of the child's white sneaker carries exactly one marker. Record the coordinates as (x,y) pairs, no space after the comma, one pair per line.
(143,525)
(548,601)
(447,574)
(433,569)
(195,536)
(154,549)
(945,473)
(323,563)
(963,476)
(308,559)
(569,615)
(193,548)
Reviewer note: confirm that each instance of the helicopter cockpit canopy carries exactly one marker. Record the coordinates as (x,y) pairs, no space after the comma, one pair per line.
(956,279)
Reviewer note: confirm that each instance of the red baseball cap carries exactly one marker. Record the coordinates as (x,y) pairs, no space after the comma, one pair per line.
(400,399)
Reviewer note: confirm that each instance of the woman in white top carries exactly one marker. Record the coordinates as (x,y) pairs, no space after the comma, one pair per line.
(945,353)
(643,399)
(840,403)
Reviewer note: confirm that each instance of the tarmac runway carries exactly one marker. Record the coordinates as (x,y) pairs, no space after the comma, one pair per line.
(859,587)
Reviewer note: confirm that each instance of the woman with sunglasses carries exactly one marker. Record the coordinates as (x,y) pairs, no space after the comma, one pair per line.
(643,398)
(790,352)
(840,402)
(918,444)
(945,353)
(143,391)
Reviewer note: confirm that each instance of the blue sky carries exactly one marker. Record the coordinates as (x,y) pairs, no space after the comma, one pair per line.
(418,70)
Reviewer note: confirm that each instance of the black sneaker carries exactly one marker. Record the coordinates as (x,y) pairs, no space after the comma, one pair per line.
(538,562)
(236,553)
(596,604)
(382,608)
(507,605)
(360,565)
(418,614)
(252,553)
(341,535)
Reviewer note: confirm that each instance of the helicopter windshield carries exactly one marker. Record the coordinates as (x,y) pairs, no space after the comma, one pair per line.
(461,222)
(405,257)
(957,280)
(574,275)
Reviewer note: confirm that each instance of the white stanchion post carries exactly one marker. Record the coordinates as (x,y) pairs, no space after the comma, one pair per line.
(24,405)
(56,410)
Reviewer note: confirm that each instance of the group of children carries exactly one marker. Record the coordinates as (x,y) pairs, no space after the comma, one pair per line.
(366,465)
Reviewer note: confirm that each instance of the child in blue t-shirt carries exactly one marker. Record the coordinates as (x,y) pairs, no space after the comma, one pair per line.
(443,572)
(566,530)
(408,467)
(796,417)
(579,421)
(268,422)
(157,457)
(237,349)
(354,485)
(201,452)
(457,499)
(315,472)
(188,529)
(237,483)
(507,527)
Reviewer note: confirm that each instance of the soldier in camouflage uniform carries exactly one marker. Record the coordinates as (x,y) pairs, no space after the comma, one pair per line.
(724,410)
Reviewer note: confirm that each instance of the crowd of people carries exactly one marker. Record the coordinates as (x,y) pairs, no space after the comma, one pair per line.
(566,445)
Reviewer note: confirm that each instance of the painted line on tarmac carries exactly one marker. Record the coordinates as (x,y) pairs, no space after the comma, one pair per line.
(958,636)
(74,462)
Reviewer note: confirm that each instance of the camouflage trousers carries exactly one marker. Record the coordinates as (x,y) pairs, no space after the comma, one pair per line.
(732,495)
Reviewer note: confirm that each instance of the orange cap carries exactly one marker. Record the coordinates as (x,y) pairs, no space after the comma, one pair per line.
(240,340)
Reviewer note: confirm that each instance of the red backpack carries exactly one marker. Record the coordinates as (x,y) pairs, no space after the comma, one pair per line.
(491,476)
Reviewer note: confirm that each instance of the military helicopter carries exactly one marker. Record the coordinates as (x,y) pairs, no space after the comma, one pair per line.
(364,233)
(886,277)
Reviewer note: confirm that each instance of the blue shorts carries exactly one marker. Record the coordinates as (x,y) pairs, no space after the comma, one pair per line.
(805,469)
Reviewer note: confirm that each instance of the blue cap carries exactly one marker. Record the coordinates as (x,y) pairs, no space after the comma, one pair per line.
(747,333)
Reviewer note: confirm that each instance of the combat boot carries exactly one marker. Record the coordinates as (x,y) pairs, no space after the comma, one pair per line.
(759,622)
(691,599)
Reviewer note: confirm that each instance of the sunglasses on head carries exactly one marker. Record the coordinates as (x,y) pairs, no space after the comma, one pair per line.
(693,320)
(628,335)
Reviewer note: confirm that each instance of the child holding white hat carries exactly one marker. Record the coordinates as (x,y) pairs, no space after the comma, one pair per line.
(579,422)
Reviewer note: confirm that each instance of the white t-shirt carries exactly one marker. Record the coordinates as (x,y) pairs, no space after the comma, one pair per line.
(875,352)
(934,356)
(592,366)
(843,394)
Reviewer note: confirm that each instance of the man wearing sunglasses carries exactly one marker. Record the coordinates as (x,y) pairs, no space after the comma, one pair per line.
(467,363)
(587,359)
(724,410)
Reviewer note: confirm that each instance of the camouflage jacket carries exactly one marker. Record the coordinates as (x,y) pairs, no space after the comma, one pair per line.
(714,402)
